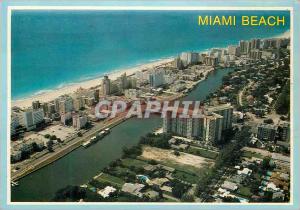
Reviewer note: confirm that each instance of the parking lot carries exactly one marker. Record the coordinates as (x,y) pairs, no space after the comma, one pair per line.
(60,131)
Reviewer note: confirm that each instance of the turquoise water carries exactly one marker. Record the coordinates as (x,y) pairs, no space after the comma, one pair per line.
(51,49)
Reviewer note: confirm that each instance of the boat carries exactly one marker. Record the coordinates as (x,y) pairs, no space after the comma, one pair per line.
(107,130)
(87,143)
(13,184)
(101,134)
(96,138)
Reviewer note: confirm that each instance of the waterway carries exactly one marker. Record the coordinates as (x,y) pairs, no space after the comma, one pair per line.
(82,164)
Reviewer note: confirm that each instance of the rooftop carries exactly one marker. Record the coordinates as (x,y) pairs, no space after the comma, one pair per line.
(229,185)
(106,191)
(133,188)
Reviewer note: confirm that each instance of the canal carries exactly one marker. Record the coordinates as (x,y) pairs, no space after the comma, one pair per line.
(82,164)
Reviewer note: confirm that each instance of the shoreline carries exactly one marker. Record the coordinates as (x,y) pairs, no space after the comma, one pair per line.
(49,95)
(87,84)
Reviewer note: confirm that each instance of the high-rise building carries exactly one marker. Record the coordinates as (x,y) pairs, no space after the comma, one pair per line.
(270,43)
(212,128)
(187,127)
(142,75)
(156,78)
(124,81)
(255,44)
(79,121)
(285,135)
(266,132)
(56,103)
(66,118)
(35,104)
(78,103)
(188,58)
(38,116)
(226,111)
(132,82)
(32,117)
(14,123)
(65,104)
(105,86)
(96,95)
(202,57)
(177,63)
(44,106)
(208,128)
(211,61)
(28,119)
(234,50)
(255,54)
(51,108)
(245,47)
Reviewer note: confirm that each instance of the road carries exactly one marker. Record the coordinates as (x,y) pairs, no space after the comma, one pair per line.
(59,152)
(241,93)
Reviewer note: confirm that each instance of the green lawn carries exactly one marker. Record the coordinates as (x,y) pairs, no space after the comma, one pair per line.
(244,191)
(202,152)
(127,162)
(249,154)
(111,179)
(181,175)
(122,170)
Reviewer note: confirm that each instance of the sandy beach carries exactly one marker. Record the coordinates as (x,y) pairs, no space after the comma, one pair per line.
(51,95)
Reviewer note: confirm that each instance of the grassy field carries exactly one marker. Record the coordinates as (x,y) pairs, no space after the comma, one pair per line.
(244,191)
(202,152)
(127,162)
(111,179)
(249,154)
(122,170)
(190,178)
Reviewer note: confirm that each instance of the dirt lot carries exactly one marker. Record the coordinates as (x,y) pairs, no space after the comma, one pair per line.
(164,155)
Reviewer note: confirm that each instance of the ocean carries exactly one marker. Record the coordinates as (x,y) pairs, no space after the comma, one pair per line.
(51,49)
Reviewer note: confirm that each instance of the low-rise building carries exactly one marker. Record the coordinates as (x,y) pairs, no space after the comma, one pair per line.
(15,155)
(133,188)
(229,186)
(152,194)
(245,171)
(132,93)
(107,191)
(24,147)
